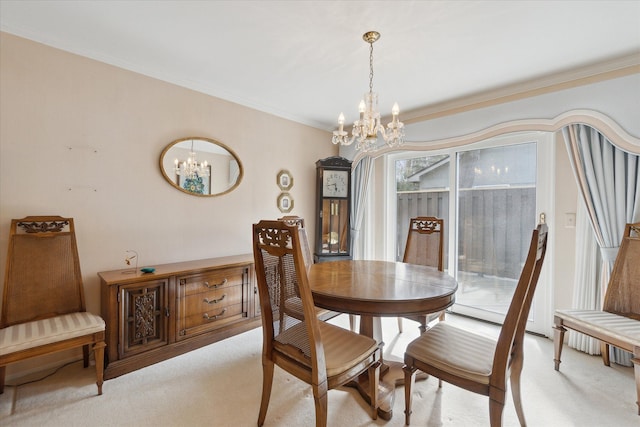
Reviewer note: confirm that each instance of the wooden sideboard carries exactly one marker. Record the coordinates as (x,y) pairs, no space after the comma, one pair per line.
(179,307)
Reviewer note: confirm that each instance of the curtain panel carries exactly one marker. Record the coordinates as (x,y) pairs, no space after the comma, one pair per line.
(609,183)
(360,184)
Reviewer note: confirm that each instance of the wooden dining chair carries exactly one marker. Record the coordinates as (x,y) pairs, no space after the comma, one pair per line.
(318,353)
(424,246)
(43,307)
(477,363)
(292,303)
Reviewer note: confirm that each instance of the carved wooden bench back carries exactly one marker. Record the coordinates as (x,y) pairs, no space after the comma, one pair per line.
(43,277)
(623,293)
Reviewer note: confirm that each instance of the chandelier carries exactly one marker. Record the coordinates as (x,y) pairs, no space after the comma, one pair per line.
(366,129)
(190,169)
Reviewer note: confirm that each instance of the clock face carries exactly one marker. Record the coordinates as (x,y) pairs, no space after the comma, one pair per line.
(335,183)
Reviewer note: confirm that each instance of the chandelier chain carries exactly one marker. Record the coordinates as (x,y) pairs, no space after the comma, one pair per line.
(371,67)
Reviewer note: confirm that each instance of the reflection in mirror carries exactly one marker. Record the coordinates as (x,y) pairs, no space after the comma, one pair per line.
(201,166)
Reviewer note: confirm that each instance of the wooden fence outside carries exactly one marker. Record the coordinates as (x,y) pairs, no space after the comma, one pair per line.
(494,231)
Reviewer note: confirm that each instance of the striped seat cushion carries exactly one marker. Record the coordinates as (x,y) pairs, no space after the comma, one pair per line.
(455,350)
(46,331)
(343,349)
(619,327)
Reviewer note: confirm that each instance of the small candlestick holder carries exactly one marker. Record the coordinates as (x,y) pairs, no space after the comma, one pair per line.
(130,256)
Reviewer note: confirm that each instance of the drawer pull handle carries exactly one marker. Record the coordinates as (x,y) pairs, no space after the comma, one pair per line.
(215,285)
(207,317)
(214,301)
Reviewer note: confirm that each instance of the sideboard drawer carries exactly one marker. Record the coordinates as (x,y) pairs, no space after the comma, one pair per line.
(207,311)
(211,301)
(211,319)
(213,280)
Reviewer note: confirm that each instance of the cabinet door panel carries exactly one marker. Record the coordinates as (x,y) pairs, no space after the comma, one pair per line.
(144,316)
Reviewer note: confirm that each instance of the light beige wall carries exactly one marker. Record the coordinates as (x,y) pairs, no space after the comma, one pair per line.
(117,123)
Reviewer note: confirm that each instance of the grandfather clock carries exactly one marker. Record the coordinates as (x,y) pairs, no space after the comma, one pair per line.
(333,209)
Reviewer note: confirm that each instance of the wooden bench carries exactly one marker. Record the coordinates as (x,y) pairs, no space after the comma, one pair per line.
(618,323)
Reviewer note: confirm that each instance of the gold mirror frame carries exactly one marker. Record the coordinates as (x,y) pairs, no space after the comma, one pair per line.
(225,168)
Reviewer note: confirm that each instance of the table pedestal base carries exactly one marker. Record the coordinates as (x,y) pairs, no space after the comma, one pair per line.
(391,376)
(391,373)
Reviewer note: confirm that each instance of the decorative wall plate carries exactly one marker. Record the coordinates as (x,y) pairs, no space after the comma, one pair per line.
(285,202)
(285,180)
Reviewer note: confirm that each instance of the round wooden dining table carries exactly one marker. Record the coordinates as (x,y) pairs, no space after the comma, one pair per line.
(374,289)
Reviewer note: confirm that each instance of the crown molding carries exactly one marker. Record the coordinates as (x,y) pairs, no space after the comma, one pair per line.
(605,70)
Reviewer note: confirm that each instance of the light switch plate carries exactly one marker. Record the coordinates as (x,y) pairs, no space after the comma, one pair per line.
(570,220)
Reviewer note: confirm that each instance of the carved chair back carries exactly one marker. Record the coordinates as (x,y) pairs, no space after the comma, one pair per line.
(425,242)
(298,222)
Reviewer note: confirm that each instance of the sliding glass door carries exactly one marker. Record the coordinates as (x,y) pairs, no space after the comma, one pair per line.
(496,213)
(490,196)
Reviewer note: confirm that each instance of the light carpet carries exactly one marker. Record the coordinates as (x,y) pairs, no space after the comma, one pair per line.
(220,385)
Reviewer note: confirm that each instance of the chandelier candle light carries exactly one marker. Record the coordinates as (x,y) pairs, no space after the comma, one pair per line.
(367,127)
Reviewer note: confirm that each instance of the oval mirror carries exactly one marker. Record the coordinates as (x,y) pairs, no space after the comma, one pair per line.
(201,166)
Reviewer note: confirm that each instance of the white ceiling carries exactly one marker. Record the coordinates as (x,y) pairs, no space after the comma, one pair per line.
(306,60)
